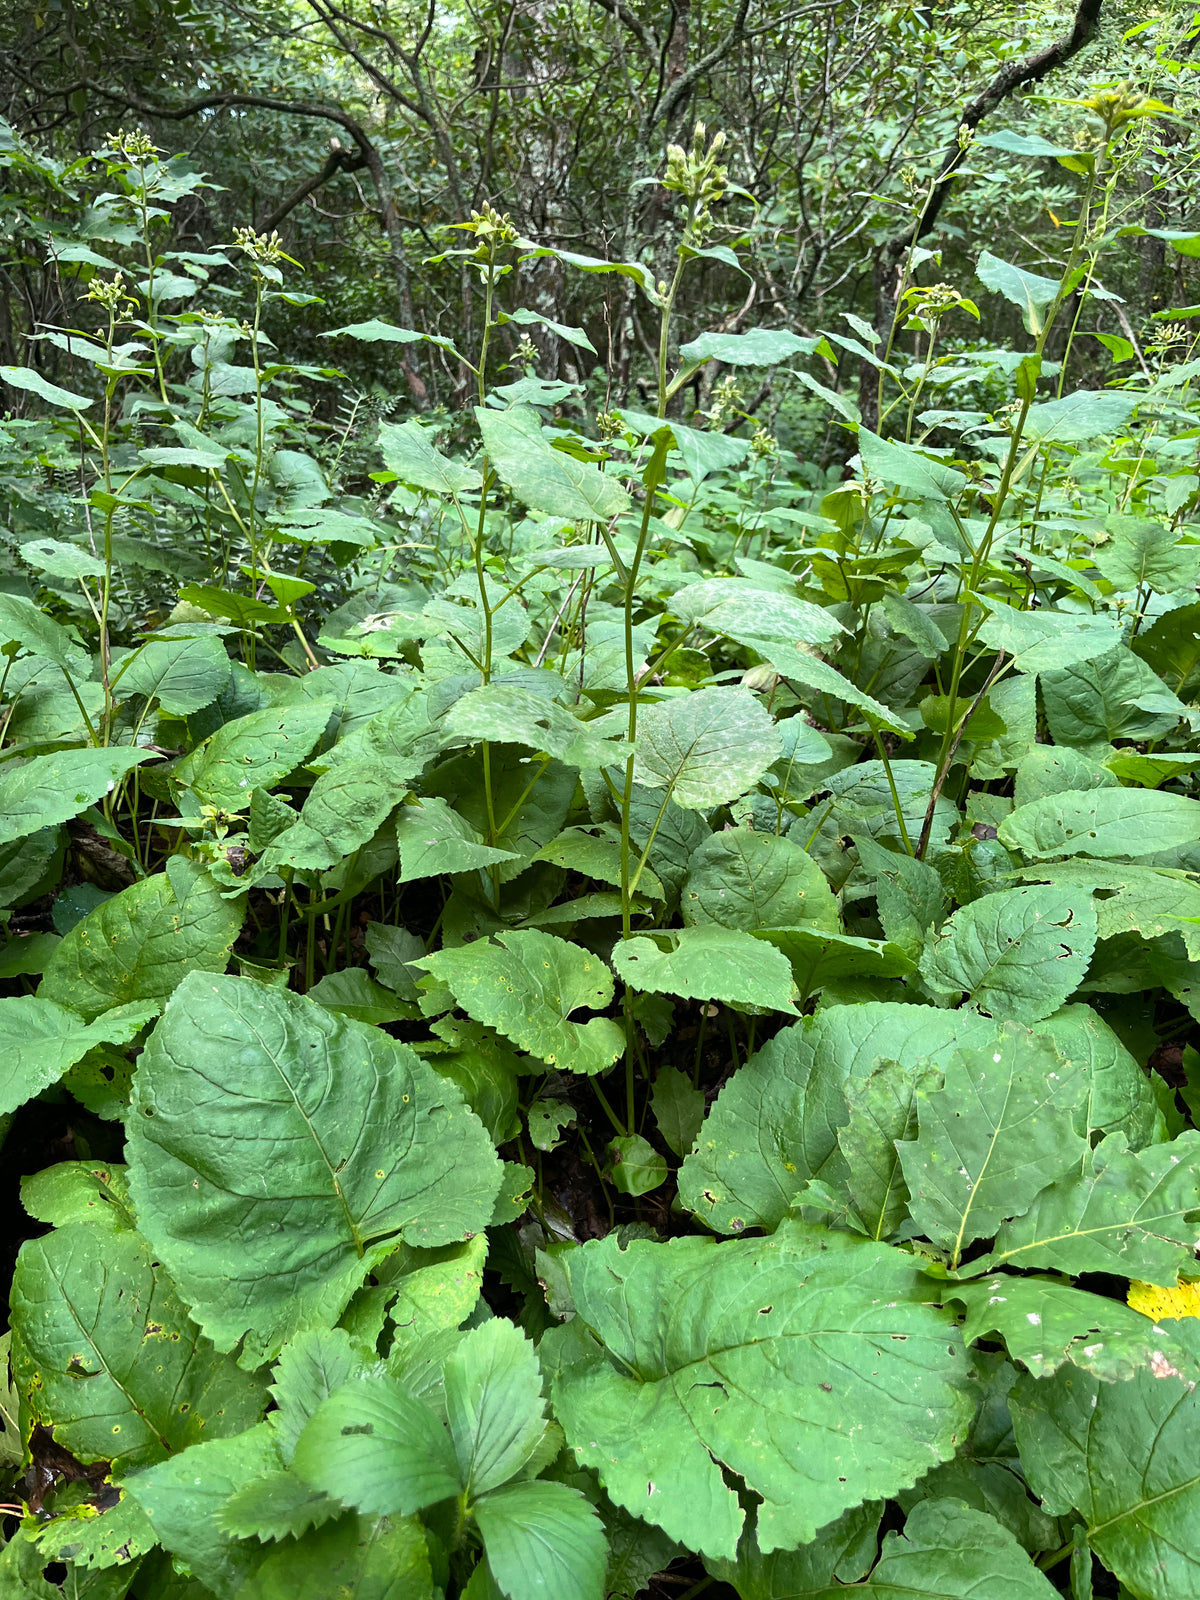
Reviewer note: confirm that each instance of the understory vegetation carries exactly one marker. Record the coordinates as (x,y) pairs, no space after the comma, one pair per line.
(600,889)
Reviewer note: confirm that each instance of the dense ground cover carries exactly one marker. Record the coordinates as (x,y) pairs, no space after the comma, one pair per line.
(598,1001)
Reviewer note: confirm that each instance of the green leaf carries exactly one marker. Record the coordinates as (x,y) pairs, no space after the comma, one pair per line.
(107,1357)
(511,715)
(775,1123)
(494,1403)
(1108,823)
(40,1040)
(252,752)
(183,1496)
(277,1506)
(22,623)
(637,1167)
(1096,702)
(1017,953)
(742,609)
(819,957)
(343,810)
(433,839)
(140,944)
(751,1354)
(760,347)
(1021,144)
(408,451)
(818,676)
(997,1134)
(843,1550)
(1045,640)
(183,675)
(1120,1098)
(52,789)
(1056,769)
(96,1543)
(373,1447)
(909,895)
(383,1558)
(1125,1457)
(61,560)
(312,1365)
(543,1539)
(1027,290)
(1144,553)
(1046,1323)
(79,1191)
(706,963)
(706,748)
(743,879)
(902,466)
(321,1144)
(882,1111)
(526,985)
(1133,1214)
(949,1550)
(1085,414)
(26,378)
(544,478)
(678,1109)
(353,993)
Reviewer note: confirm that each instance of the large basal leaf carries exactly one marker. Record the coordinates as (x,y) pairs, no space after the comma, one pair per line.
(142,943)
(543,1539)
(706,963)
(407,449)
(998,1133)
(1120,1096)
(1133,1214)
(1018,953)
(706,747)
(775,1123)
(526,985)
(1126,1458)
(882,1112)
(547,479)
(743,879)
(844,1550)
(1096,702)
(1108,823)
(107,1357)
(808,1363)
(252,752)
(52,789)
(343,810)
(818,956)
(318,1143)
(40,1040)
(1046,1323)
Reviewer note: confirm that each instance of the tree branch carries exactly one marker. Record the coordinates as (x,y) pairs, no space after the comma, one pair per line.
(338,160)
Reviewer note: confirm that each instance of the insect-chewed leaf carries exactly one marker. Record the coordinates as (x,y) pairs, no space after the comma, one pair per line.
(1126,1458)
(707,747)
(40,1040)
(808,1363)
(1109,823)
(252,752)
(144,941)
(526,985)
(1018,953)
(51,789)
(1129,1213)
(319,1143)
(743,879)
(107,1357)
(775,1123)
(993,1138)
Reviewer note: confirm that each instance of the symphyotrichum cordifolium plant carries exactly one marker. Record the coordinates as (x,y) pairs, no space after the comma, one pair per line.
(593,1008)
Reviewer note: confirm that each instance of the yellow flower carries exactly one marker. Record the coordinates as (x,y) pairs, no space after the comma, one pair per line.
(1183,1300)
